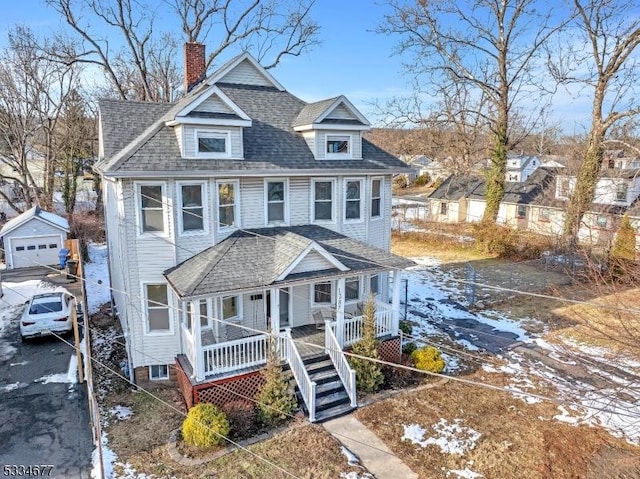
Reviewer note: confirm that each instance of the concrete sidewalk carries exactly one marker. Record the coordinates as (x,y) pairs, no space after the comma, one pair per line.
(372,452)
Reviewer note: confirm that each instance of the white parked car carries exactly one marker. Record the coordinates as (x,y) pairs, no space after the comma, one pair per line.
(45,314)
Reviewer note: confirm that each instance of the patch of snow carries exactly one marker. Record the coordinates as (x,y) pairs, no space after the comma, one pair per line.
(465,473)
(96,275)
(121,412)
(356,475)
(21,363)
(70,377)
(564,416)
(451,438)
(12,386)
(108,460)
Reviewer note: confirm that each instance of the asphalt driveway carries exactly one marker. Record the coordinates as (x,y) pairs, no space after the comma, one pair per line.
(41,422)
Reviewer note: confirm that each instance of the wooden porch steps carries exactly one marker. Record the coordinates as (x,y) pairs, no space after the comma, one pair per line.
(332,399)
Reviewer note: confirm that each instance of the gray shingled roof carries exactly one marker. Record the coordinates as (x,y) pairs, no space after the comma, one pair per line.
(269,144)
(311,111)
(456,187)
(253,259)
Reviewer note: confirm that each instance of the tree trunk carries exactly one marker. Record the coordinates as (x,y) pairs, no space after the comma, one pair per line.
(585,187)
(495,176)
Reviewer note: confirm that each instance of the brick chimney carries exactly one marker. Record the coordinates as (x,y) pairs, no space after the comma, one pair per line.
(194,65)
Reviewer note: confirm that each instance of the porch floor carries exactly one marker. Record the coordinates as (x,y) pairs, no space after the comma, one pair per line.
(310,340)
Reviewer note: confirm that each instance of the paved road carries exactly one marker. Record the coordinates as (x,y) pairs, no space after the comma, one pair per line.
(42,423)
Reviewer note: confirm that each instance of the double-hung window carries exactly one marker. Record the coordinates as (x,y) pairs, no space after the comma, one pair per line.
(444,208)
(192,213)
(157,308)
(353,200)
(151,209)
(230,308)
(227,204)
(276,197)
(322,293)
(376,198)
(374,284)
(323,200)
(621,191)
(352,289)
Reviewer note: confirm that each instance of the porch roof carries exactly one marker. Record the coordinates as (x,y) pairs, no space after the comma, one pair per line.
(251,259)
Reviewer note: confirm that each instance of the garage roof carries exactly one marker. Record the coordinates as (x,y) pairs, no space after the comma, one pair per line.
(35,212)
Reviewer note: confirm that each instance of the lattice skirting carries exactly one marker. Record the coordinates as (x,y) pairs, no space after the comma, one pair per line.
(390,350)
(220,392)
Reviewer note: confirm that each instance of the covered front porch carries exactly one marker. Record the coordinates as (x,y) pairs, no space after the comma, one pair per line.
(303,288)
(228,334)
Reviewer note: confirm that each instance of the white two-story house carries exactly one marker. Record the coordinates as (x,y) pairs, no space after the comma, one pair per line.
(240,214)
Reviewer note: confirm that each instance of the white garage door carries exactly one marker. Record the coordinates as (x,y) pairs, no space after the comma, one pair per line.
(35,251)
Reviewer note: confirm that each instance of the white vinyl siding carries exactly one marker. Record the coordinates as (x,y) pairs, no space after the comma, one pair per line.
(299,201)
(341,112)
(313,261)
(37,233)
(214,104)
(252,208)
(245,74)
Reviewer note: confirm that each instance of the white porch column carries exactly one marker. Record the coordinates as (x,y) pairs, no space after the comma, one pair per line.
(395,303)
(275,310)
(194,311)
(340,312)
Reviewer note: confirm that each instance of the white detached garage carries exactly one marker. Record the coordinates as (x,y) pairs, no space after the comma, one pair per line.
(34,238)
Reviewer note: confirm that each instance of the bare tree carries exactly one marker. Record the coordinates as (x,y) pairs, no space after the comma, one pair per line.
(600,54)
(489,46)
(33,90)
(146,67)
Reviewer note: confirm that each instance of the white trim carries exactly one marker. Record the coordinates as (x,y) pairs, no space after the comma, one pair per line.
(208,121)
(236,206)
(313,295)
(212,134)
(317,248)
(343,99)
(159,378)
(331,126)
(334,201)
(145,316)
(381,215)
(138,208)
(205,203)
(204,96)
(235,62)
(360,218)
(285,221)
(338,156)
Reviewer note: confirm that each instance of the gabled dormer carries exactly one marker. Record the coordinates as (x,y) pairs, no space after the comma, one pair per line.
(210,126)
(333,129)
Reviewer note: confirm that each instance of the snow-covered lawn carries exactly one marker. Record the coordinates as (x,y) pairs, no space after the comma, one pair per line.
(611,403)
(96,275)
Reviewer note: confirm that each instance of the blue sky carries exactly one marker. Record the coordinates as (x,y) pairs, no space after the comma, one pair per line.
(352,59)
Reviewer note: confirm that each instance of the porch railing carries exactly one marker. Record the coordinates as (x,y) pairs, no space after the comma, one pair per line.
(234,355)
(306,386)
(189,346)
(353,326)
(347,375)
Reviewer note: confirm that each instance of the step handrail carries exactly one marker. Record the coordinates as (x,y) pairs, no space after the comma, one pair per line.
(305,384)
(347,373)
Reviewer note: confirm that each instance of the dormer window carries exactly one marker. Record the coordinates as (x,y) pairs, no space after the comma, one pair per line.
(213,144)
(338,146)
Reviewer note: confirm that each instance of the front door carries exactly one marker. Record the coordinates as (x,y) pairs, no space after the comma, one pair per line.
(284,308)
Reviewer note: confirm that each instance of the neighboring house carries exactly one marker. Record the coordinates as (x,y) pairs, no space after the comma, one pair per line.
(450,202)
(520,167)
(238,211)
(33,238)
